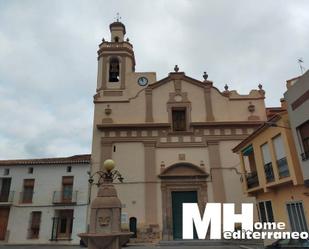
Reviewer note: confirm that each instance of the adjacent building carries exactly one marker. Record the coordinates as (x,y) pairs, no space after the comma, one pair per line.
(44,200)
(171,138)
(273,175)
(297,97)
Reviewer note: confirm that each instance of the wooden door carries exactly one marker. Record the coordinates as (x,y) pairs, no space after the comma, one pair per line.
(67,188)
(178,198)
(65,224)
(4,217)
(133,227)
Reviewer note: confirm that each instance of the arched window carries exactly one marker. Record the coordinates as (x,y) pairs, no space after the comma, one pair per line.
(114,70)
(116,39)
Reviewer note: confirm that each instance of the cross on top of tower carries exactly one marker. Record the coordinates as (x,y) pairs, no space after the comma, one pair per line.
(118,30)
(118,17)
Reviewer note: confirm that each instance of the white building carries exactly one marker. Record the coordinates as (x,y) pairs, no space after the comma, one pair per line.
(43,200)
(297,97)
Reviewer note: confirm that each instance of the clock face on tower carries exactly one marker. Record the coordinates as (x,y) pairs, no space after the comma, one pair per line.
(142,81)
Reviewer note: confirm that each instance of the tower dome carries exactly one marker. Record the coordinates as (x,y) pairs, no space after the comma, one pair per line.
(118,30)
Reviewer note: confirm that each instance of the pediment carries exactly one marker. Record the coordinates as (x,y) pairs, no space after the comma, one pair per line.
(206,84)
(183,170)
(180,76)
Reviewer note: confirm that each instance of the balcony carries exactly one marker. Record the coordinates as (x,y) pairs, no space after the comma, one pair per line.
(7,198)
(64,197)
(283,168)
(269,172)
(305,156)
(252,180)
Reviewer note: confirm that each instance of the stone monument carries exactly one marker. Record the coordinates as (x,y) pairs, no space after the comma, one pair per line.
(105,215)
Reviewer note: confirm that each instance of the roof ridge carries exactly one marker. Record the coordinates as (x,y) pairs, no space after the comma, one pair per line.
(80,158)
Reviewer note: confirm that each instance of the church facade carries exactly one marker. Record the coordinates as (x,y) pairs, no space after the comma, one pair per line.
(171,139)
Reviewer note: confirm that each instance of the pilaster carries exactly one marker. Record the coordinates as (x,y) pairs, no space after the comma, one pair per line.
(149,112)
(151,211)
(216,172)
(208,105)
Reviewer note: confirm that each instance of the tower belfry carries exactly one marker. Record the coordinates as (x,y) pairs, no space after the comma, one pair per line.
(115,59)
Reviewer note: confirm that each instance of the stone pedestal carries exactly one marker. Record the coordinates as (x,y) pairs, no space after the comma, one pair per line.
(105,221)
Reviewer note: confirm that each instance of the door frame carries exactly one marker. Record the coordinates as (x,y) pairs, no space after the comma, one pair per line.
(68,215)
(133,226)
(180,177)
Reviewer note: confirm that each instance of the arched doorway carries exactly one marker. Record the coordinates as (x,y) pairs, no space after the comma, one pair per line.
(133,226)
(180,183)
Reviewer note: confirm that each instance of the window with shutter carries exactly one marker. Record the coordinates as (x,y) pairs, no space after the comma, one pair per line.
(281,157)
(67,188)
(27,194)
(303,132)
(179,120)
(268,168)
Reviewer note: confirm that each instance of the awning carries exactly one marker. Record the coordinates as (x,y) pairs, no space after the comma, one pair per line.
(247,151)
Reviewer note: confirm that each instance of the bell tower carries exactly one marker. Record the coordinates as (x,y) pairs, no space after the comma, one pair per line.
(115,59)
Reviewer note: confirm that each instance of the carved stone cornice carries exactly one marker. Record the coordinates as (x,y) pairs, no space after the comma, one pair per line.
(212,142)
(130,126)
(150,143)
(219,124)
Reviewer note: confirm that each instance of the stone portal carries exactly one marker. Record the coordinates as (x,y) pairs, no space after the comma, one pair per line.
(180,183)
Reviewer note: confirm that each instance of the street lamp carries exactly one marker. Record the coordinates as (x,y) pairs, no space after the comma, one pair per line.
(108,175)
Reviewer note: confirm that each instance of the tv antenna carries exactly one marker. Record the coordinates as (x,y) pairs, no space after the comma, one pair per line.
(300,62)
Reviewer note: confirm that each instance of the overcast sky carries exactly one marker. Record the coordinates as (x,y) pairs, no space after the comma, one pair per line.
(48,60)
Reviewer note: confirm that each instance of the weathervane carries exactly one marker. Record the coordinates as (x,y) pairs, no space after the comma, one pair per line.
(300,61)
(118,17)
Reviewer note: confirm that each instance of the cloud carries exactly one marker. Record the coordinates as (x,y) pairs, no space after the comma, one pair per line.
(48,58)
